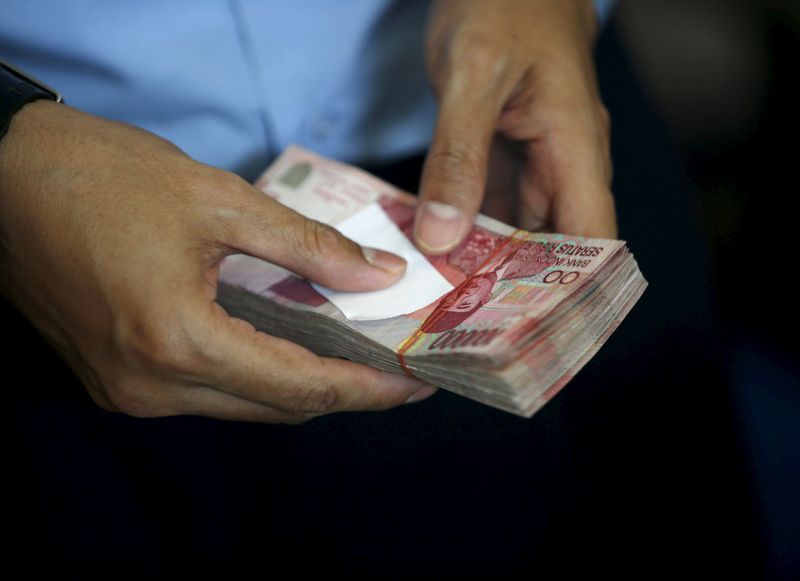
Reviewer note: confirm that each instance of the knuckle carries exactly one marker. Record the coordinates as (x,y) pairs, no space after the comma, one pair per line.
(458,162)
(476,57)
(218,192)
(314,399)
(318,239)
(486,58)
(215,181)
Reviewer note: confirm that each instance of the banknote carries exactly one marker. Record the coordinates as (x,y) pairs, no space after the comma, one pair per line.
(520,314)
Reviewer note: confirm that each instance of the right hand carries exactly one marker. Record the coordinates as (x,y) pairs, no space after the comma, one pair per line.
(111,244)
(521,131)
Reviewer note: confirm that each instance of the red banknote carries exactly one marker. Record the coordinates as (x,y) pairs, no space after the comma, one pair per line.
(519,313)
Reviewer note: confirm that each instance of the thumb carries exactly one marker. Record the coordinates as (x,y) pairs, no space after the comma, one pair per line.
(454,177)
(314,250)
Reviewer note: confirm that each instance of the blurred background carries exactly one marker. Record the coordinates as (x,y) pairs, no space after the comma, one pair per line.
(723,76)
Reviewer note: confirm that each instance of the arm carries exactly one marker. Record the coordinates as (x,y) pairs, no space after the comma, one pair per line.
(112,239)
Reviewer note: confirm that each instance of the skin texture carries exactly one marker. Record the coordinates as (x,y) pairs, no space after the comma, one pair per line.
(111,244)
(112,238)
(521,132)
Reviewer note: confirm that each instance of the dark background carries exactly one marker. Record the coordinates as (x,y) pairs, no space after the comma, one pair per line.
(673,453)
(723,74)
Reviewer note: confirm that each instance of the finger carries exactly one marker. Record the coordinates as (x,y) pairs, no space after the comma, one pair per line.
(500,200)
(273,232)
(454,176)
(211,403)
(145,397)
(567,174)
(536,190)
(582,200)
(274,372)
(584,203)
(592,214)
(571,201)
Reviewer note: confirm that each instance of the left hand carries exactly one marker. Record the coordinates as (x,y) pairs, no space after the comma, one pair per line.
(520,120)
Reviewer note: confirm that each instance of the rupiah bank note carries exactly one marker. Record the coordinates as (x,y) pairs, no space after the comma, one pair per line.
(524,313)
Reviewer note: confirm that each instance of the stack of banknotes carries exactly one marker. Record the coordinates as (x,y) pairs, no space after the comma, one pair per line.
(507,318)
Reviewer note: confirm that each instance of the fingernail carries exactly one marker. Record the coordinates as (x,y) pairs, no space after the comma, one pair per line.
(423,393)
(384,260)
(439,226)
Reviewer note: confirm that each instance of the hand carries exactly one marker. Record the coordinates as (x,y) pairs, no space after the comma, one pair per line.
(112,240)
(520,119)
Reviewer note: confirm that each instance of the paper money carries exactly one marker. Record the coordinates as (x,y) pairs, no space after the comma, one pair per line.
(518,315)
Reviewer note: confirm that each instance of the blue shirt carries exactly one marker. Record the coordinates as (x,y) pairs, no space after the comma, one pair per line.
(234,82)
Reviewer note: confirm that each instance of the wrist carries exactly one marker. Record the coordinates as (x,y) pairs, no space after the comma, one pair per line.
(23,162)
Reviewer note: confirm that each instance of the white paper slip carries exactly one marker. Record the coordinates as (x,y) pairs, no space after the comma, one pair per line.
(420,286)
